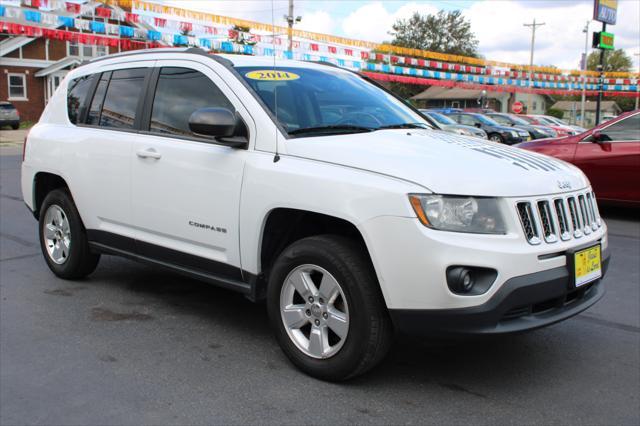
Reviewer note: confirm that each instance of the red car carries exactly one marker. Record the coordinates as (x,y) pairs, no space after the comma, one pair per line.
(538,120)
(608,154)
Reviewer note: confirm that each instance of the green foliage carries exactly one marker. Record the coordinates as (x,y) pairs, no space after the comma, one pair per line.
(555,112)
(444,32)
(615,60)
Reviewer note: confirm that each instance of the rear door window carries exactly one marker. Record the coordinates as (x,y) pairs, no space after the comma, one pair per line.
(124,92)
(77,97)
(93,117)
(180,92)
(627,129)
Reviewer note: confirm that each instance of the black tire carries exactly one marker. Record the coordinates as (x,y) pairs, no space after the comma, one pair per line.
(495,137)
(370,329)
(80,262)
(15,126)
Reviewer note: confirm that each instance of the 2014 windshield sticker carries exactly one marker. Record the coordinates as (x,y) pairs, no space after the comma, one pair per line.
(271,75)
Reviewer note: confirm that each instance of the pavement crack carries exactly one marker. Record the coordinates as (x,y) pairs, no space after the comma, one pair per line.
(457,388)
(24,256)
(18,240)
(611,324)
(11,197)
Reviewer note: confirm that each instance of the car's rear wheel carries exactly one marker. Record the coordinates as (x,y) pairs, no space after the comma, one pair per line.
(496,138)
(15,126)
(326,308)
(63,238)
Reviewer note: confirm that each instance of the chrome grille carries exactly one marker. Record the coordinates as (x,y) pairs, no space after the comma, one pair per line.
(563,224)
(560,218)
(548,227)
(528,223)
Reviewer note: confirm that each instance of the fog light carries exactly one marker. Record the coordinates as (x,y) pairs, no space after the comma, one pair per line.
(470,280)
(460,279)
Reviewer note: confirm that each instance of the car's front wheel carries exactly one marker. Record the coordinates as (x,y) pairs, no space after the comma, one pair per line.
(496,138)
(326,308)
(63,239)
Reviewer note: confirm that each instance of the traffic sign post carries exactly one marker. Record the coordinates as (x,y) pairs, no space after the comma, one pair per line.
(517,107)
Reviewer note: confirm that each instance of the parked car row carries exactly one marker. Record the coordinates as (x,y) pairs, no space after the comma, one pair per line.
(501,127)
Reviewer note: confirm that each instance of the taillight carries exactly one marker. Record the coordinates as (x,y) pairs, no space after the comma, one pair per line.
(24,145)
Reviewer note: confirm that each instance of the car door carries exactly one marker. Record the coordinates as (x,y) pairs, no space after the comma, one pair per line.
(613,164)
(102,151)
(186,189)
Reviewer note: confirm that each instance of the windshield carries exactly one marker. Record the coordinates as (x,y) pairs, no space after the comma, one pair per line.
(501,119)
(545,120)
(557,121)
(327,101)
(486,120)
(440,118)
(518,120)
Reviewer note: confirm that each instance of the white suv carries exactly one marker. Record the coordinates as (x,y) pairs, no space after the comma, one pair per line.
(314,189)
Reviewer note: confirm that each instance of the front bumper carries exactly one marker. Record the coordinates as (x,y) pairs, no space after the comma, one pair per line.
(523,303)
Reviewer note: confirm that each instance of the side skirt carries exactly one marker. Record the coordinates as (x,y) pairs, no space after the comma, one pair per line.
(207,270)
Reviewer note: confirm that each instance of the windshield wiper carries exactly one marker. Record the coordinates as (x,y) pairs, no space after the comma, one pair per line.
(332,129)
(404,126)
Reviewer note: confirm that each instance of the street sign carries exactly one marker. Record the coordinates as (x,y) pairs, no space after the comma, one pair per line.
(605,11)
(603,40)
(517,107)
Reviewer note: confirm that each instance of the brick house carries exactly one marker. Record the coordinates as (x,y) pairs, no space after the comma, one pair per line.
(31,68)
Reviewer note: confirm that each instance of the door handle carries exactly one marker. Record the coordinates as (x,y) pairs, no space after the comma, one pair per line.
(149,153)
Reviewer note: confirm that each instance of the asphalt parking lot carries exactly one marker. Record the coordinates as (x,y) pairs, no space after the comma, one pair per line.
(136,345)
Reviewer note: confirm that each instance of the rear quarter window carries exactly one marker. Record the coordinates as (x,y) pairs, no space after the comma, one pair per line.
(77,97)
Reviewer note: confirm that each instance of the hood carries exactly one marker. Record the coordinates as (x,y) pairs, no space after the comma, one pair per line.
(443,162)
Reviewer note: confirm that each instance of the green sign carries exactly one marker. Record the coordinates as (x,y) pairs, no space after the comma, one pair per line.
(603,40)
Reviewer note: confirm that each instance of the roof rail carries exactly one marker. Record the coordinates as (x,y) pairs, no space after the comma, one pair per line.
(194,50)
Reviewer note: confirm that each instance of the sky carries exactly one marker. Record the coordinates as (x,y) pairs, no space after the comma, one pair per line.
(497,24)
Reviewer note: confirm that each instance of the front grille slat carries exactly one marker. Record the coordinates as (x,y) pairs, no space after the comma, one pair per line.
(528,223)
(562,218)
(546,219)
(584,214)
(561,215)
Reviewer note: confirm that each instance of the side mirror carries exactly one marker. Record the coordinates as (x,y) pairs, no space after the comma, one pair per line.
(220,123)
(478,125)
(602,140)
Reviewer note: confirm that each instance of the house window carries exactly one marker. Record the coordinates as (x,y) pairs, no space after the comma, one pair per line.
(102,50)
(17,86)
(86,50)
(73,48)
(535,105)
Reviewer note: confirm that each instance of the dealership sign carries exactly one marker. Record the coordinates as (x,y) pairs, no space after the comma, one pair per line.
(605,11)
(603,40)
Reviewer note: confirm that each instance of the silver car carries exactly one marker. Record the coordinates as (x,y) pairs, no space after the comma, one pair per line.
(9,115)
(448,125)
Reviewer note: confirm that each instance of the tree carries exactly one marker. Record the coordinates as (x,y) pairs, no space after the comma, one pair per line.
(444,32)
(616,60)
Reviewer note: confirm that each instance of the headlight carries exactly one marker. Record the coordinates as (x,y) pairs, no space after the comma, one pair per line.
(459,214)
(464,132)
(514,133)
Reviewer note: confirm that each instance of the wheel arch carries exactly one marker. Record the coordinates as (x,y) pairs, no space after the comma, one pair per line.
(43,183)
(284,225)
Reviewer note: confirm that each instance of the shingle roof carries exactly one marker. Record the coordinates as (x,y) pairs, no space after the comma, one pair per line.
(588,106)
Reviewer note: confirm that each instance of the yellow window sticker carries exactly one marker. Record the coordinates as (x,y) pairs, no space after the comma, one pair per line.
(271,75)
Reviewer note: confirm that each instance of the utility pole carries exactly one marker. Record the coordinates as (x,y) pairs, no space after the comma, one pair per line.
(290,21)
(533,27)
(637,81)
(584,71)
(601,79)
